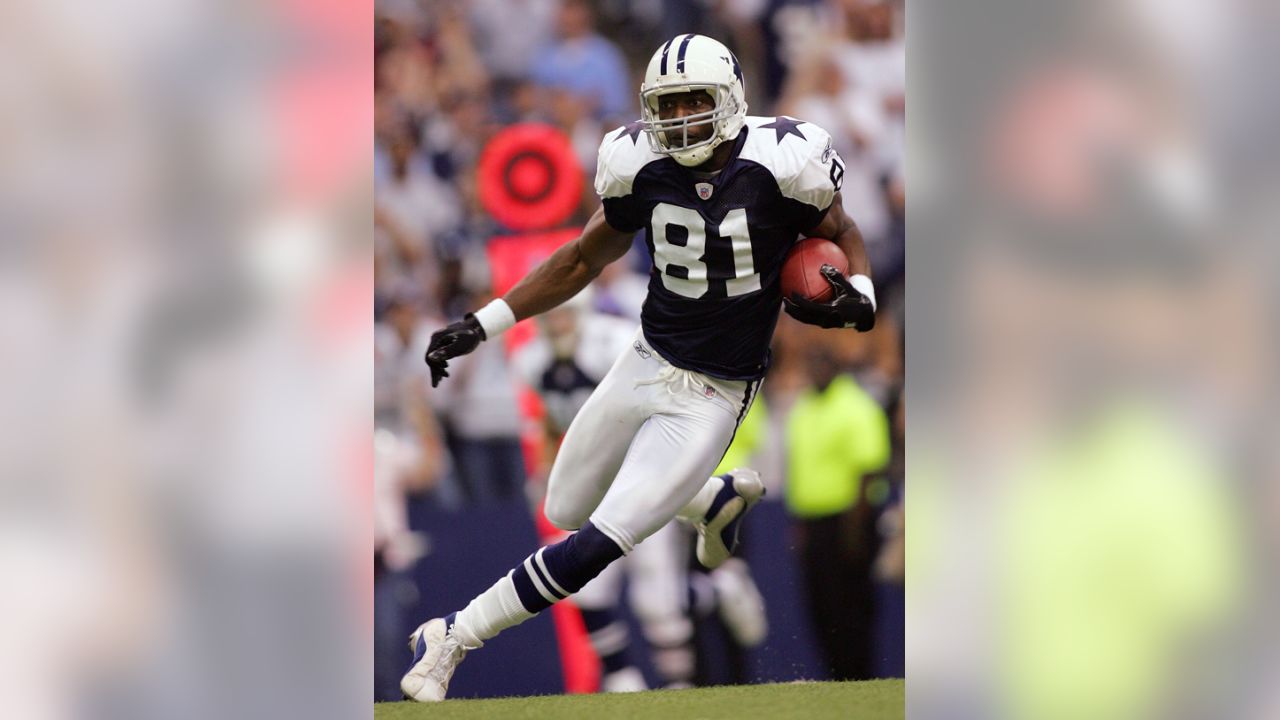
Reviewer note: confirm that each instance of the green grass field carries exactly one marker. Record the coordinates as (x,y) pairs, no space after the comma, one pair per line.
(871,700)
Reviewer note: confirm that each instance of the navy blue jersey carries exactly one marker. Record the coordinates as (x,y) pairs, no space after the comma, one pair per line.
(718,243)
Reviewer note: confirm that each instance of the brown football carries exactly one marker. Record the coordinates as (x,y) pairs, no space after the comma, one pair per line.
(801,271)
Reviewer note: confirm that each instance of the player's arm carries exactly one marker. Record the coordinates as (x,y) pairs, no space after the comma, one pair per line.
(854,303)
(840,229)
(569,269)
(555,280)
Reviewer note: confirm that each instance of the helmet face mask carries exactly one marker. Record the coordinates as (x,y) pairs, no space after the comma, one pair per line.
(687,64)
(671,135)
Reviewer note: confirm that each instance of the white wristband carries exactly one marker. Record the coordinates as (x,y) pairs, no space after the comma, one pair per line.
(495,318)
(862,284)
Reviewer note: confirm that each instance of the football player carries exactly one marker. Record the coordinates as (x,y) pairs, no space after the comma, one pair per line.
(571,355)
(721,198)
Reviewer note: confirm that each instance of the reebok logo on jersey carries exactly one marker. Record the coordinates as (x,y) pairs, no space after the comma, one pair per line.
(704,190)
(641,351)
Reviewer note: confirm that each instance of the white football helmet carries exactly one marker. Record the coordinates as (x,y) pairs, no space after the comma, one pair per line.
(687,63)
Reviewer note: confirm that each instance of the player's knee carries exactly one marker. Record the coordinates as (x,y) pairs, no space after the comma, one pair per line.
(562,518)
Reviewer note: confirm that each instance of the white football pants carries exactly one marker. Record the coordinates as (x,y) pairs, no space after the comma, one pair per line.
(643,445)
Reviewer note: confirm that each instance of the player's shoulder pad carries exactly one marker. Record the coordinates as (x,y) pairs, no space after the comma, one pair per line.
(800,156)
(623,153)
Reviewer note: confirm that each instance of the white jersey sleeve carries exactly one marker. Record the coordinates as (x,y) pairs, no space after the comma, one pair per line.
(820,174)
(801,157)
(623,154)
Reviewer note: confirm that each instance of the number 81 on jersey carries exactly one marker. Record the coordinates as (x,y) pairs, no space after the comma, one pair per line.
(680,251)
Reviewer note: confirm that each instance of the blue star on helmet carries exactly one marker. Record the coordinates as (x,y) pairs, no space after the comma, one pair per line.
(631,129)
(785,126)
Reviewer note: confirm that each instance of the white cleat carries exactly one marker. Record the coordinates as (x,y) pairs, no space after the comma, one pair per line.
(740,603)
(718,531)
(436,654)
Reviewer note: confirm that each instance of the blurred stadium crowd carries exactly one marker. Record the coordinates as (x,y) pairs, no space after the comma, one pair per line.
(449,75)
(187,283)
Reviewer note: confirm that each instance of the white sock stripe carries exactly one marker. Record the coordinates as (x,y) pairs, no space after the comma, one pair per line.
(547,573)
(539,570)
(537,583)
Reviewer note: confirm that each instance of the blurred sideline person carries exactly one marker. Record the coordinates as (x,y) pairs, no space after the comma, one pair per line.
(730,591)
(481,426)
(572,353)
(723,198)
(400,468)
(409,458)
(585,63)
(837,434)
(564,364)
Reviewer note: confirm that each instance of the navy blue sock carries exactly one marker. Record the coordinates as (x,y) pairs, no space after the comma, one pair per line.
(558,571)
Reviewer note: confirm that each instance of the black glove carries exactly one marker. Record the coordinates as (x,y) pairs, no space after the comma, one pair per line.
(849,308)
(458,338)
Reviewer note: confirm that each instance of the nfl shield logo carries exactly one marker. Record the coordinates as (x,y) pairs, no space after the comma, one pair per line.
(704,190)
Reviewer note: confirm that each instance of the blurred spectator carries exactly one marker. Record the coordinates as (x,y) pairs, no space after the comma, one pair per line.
(400,467)
(572,113)
(511,34)
(618,291)
(789,28)
(873,55)
(890,565)
(821,94)
(836,436)
(477,407)
(412,208)
(735,596)
(405,69)
(588,65)
(408,458)
(854,85)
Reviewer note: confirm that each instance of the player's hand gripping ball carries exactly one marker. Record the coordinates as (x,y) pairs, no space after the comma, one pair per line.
(456,339)
(815,289)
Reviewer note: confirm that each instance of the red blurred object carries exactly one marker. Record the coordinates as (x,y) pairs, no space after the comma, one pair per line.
(529,177)
(578,660)
(801,272)
(511,258)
